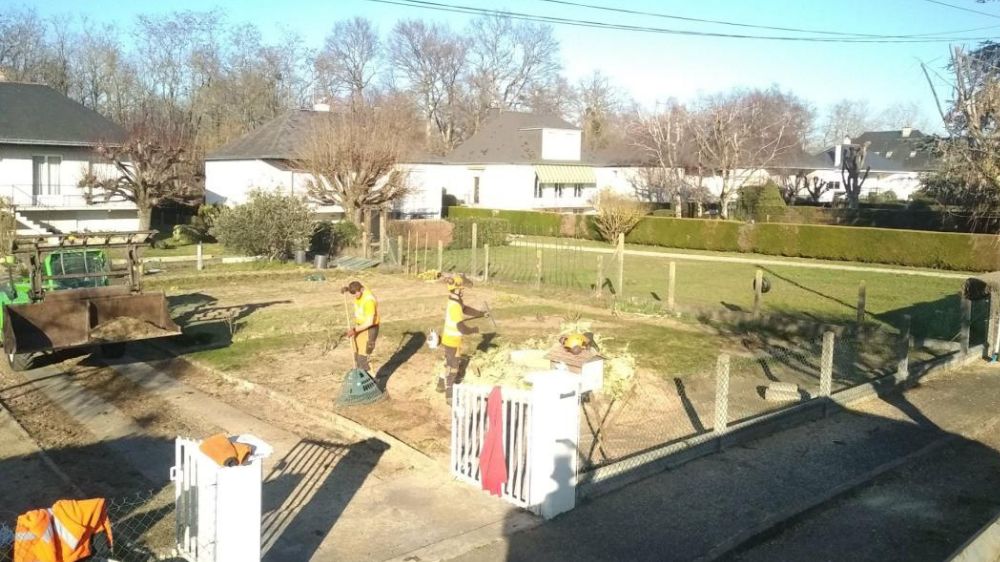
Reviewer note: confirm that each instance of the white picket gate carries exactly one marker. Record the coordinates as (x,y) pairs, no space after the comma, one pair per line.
(217,508)
(468,430)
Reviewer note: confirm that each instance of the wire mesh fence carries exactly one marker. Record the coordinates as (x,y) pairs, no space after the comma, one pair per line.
(759,377)
(142,526)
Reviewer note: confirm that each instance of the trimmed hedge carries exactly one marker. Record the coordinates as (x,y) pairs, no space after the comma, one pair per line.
(915,248)
(494,232)
(533,223)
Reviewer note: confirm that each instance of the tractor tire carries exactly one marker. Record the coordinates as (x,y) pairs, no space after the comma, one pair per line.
(20,361)
(113,350)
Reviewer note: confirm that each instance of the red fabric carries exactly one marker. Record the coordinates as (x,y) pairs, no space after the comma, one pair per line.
(492,463)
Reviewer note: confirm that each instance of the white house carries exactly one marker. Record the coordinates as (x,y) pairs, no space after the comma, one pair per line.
(47,145)
(266,159)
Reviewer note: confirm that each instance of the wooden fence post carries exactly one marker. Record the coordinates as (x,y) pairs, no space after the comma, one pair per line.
(475,250)
(409,258)
(440,255)
(758,292)
(365,244)
(383,234)
(862,297)
(201,262)
(721,395)
(399,249)
(599,286)
(621,265)
(486,263)
(671,285)
(538,269)
(966,324)
(427,243)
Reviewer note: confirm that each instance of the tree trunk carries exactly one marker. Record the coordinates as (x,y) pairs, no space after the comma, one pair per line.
(145,217)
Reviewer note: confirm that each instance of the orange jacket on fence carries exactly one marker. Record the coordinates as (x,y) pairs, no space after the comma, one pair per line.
(61,533)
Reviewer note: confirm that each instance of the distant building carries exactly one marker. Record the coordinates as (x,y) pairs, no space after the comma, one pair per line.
(47,144)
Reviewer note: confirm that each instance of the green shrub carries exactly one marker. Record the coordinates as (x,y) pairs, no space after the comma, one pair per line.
(204,219)
(185,235)
(495,232)
(331,237)
(268,224)
(699,234)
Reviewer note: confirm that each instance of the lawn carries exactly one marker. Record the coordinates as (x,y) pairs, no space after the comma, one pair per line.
(815,294)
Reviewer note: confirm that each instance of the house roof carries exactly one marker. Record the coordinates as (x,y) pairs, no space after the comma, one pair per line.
(872,160)
(507,137)
(278,139)
(893,146)
(36,114)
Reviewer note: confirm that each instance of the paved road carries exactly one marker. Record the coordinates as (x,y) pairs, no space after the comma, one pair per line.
(756,261)
(719,504)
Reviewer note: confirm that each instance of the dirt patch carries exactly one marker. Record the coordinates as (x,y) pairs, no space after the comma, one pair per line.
(124,328)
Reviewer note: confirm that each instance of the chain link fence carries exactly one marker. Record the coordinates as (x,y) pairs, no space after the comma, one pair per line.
(142,524)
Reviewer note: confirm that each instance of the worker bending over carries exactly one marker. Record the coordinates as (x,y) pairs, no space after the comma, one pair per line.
(366,322)
(455,317)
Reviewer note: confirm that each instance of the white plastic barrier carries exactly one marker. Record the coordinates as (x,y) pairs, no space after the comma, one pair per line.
(540,437)
(218,509)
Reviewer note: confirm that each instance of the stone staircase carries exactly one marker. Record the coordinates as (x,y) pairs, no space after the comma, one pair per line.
(28,227)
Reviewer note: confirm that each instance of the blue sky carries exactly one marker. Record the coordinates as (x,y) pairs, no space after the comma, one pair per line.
(654,67)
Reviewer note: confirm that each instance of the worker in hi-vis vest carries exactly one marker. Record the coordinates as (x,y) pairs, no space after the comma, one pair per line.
(454,328)
(366,322)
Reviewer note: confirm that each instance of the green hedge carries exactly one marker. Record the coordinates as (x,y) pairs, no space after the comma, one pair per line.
(915,248)
(532,223)
(492,231)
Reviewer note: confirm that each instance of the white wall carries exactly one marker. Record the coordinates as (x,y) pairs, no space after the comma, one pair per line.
(426,182)
(561,144)
(87,220)
(904,184)
(17,176)
(229,182)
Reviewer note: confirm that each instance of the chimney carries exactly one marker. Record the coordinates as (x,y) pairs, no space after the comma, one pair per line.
(321,107)
(847,139)
(837,154)
(906,131)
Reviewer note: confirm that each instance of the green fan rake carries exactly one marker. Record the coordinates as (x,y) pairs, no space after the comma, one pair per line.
(358,388)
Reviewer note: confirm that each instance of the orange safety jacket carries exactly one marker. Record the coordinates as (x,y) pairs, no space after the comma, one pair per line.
(61,533)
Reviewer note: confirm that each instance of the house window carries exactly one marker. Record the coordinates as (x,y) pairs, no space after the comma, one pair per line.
(538,189)
(559,189)
(913,154)
(475,190)
(45,175)
(888,154)
(578,190)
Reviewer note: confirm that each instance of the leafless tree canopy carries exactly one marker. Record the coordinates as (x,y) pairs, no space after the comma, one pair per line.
(148,169)
(665,137)
(740,133)
(352,156)
(351,59)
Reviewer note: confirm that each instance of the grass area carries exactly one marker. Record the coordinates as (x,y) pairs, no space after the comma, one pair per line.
(817,294)
(664,250)
(170,249)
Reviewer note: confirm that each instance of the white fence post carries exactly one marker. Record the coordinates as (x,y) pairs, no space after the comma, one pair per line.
(218,509)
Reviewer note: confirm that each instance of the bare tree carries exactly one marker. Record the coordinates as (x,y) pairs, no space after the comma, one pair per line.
(22,44)
(740,133)
(352,156)
(969,173)
(663,136)
(508,59)
(432,60)
(854,171)
(616,214)
(902,114)
(846,118)
(147,170)
(816,187)
(597,103)
(350,59)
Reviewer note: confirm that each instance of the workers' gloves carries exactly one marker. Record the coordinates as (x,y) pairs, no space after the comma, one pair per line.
(351,332)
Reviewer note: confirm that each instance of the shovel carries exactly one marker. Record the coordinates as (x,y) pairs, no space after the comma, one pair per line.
(489,314)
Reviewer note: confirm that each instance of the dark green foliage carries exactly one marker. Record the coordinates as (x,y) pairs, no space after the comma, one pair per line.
(521,222)
(330,238)
(492,231)
(268,224)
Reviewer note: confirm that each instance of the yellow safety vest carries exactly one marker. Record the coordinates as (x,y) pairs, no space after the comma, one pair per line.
(366,309)
(451,335)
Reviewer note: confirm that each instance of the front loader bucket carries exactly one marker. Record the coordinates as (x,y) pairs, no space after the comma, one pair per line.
(85,317)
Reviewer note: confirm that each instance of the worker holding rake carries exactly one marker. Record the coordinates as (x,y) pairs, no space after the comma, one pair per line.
(364,331)
(455,316)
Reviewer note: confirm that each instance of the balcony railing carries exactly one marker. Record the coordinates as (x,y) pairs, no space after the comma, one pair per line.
(68,197)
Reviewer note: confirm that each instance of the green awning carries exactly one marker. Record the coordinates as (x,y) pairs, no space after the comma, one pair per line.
(551,173)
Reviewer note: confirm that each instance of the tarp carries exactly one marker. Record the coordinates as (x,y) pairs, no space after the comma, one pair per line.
(553,173)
